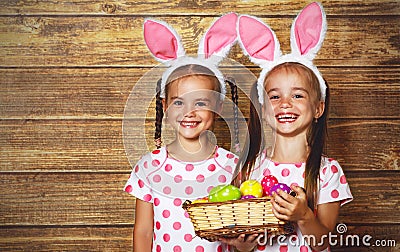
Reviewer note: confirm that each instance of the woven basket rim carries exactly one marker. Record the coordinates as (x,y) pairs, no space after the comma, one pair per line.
(187,204)
(204,227)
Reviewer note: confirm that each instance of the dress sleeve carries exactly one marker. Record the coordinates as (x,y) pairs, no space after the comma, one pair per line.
(138,184)
(333,184)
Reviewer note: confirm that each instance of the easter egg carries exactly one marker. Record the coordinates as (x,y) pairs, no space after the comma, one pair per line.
(251,187)
(267,183)
(202,200)
(281,186)
(222,193)
(248,197)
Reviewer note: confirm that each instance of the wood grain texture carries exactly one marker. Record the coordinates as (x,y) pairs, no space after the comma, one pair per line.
(68,67)
(365,144)
(62,145)
(80,199)
(91,238)
(375,195)
(97,145)
(186,7)
(57,199)
(102,93)
(118,41)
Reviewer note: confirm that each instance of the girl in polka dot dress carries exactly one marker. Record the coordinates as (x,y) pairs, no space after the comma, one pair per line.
(292,98)
(190,94)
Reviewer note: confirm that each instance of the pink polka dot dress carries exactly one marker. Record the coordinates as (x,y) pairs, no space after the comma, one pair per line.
(167,183)
(332,187)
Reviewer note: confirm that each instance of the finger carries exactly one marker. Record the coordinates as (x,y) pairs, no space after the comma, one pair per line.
(280,200)
(277,207)
(226,240)
(287,197)
(300,192)
(241,237)
(279,215)
(232,241)
(252,238)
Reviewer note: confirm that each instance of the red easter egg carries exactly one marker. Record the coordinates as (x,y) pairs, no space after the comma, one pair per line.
(267,183)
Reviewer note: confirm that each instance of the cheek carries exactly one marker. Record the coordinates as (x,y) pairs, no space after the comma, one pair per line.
(171,112)
(268,114)
(268,110)
(312,108)
(209,115)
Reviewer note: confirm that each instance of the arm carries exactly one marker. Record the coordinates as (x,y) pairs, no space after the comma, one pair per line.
(320,225)
(287,207)
(143,229)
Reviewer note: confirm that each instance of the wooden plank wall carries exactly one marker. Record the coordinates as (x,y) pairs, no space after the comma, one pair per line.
(66,71)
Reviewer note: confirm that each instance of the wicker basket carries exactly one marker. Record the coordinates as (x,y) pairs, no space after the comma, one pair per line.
(212,220)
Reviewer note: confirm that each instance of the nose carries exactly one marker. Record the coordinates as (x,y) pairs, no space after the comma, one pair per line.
(188,111)
(286,102)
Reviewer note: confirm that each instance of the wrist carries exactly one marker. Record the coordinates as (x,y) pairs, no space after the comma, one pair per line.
(307,218)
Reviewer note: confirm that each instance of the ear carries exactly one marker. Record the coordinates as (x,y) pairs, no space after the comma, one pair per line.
(164,104)
(319,110)
(162,41)
(257,40)
(308,31)
(220,37)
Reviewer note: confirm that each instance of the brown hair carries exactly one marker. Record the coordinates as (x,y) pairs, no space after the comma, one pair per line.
(316,136)
(183,72)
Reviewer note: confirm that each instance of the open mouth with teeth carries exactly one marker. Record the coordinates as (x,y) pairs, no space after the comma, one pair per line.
(286,118)
(187,124)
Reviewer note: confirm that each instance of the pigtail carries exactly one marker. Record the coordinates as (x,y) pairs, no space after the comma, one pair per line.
(254,140)
(317,142)
(159,116)
(235,97)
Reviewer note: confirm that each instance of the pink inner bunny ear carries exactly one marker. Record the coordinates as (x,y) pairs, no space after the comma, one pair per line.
(221,34)
(308,28)
(160,40)
(257,39)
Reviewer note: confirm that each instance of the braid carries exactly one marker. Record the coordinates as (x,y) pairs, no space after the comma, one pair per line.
(232,83)
(159,116)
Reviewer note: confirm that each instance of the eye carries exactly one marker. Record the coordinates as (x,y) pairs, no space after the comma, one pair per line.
(298,96)
(177,103)
(274,97)
(201,104)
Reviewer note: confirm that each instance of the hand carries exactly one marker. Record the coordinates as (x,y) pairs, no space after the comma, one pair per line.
(242,243)
(289,208)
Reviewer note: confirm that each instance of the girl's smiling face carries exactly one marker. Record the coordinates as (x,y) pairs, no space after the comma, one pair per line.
(292,102)
(191,105)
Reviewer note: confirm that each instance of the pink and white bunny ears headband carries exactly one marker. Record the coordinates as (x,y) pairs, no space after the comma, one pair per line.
(260,44)
(166,46)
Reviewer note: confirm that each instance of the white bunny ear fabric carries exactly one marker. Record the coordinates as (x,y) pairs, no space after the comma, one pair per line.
(166,46)
(259,43)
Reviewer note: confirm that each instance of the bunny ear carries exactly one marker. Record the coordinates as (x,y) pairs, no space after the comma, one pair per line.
(220,37)
(162,40)
(308,31)
(258,40)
